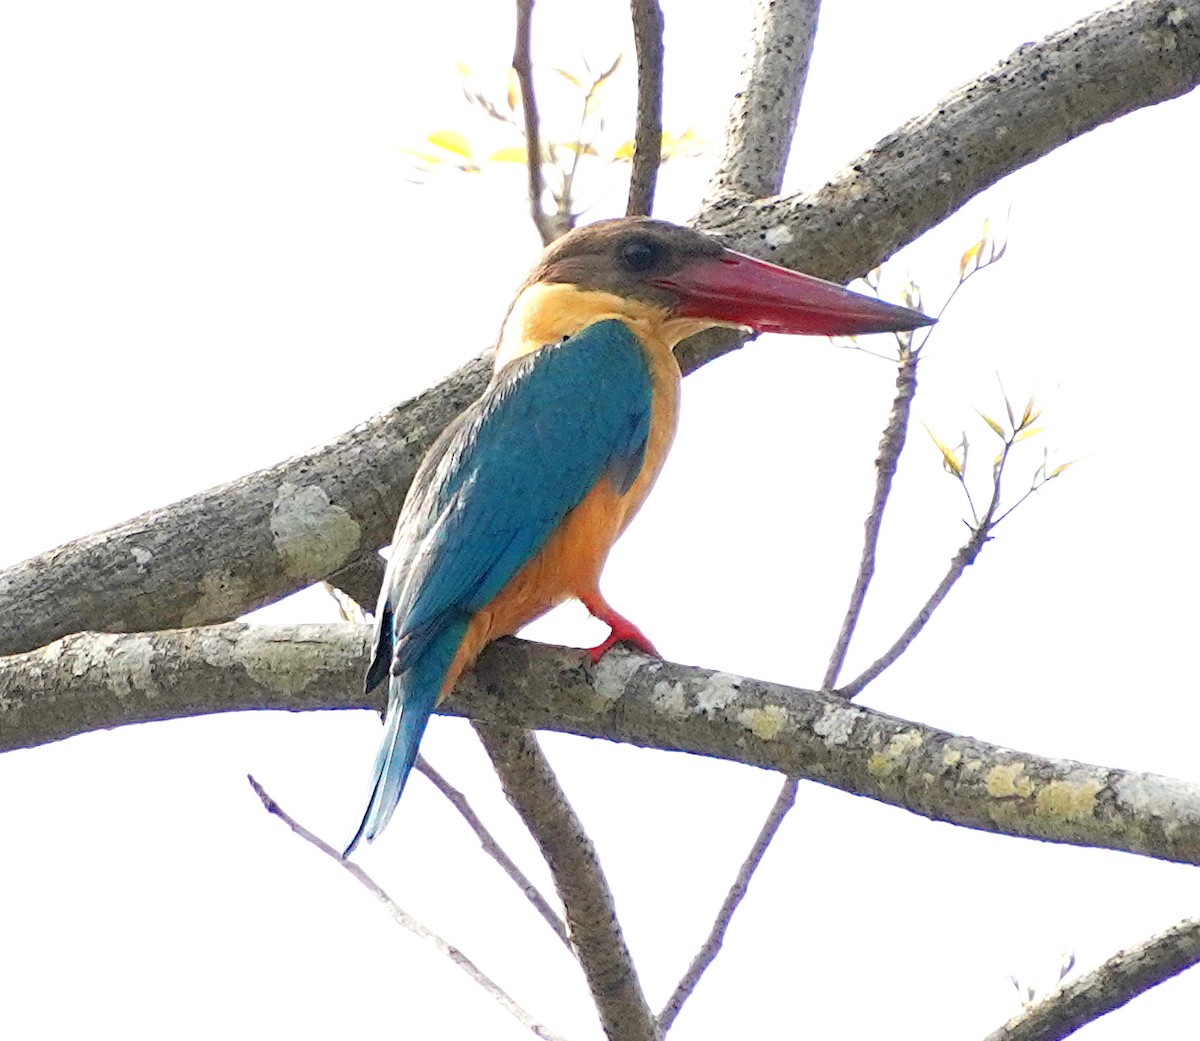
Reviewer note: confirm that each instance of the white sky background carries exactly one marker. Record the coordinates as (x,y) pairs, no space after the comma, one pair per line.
(210,259)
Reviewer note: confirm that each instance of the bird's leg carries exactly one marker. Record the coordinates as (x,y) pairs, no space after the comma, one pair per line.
(622,629)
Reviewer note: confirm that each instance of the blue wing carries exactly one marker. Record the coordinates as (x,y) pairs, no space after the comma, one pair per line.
(492,490)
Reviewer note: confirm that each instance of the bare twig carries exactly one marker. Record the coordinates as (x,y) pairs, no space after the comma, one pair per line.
(763,117)
(716,936)
(404,919)
(534,792)
(523,66)
(1109,986)
(981,531)
(962,560)
(647,139)
(758,140)
(494,850)
(894,436)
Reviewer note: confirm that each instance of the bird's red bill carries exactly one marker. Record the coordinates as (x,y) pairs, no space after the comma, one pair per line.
(742,290)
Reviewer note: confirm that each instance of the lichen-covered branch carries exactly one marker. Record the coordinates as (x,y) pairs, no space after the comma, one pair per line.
(534,791)
(218,554)
(762,120)
(1109,986)
(90,681)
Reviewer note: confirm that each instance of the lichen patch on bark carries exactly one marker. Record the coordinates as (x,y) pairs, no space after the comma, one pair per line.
(311,534)
(1008,780)
(1068,800)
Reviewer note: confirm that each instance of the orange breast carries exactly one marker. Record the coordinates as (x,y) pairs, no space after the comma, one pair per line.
(570,562)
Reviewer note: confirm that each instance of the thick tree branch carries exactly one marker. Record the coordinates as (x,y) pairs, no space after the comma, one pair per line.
(91,681)
(763,118)
(404,919)
(1109,986)
(238,546)
(647,139)
(218,554)
(1044,94)
(534,792)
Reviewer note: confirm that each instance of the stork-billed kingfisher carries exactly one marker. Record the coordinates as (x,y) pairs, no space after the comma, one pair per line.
(517,504)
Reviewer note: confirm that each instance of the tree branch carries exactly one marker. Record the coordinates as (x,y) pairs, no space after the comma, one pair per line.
(494,850)
(522,64)
(240,545)
(534,792)
(647,138)
(91,681)
(1136,53)
(762,120)
(294,524)
(361,581)
(404,919)
(716,936)
(890,447)
(1109,986)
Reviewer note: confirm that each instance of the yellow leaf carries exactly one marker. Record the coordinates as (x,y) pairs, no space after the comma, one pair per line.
(513,94)
(1028,415)
(464,70)
(512,154)
(624,151)
(569,78)
(451,141)
(1027,432)
(971,255)
(1060,468)
(949,459)
(994,425)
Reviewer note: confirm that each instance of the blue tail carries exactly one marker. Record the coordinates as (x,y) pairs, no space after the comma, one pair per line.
(412,697)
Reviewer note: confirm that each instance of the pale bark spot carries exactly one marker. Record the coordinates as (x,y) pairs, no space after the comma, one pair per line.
(312,535)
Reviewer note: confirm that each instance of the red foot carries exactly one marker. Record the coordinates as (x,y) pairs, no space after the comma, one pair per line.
(622,630)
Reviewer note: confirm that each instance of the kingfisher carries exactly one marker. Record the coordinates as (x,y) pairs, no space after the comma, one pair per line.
(516,506)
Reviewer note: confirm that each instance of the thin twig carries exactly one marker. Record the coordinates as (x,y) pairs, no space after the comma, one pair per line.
(890,447)
(762,122)
(523,66)
(404,919)
(647,138)
(1109,986)
(963,559)
(716,936)
(531,787)
(494,850)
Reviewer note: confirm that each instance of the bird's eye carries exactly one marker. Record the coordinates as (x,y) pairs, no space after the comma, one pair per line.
(639,255)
